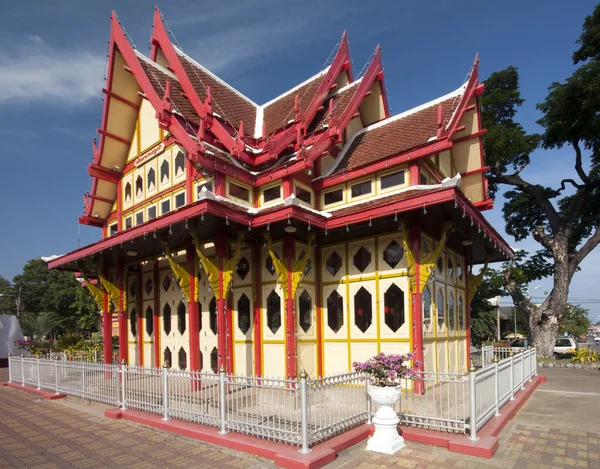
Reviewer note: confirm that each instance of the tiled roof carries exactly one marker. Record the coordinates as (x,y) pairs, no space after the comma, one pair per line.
(395,135)
(278,112)
(227,102)
(342,99)
(409,194)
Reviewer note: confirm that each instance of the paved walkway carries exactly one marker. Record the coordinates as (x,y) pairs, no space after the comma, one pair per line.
(559,427)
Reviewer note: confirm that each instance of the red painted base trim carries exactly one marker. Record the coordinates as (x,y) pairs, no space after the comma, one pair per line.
(48,395)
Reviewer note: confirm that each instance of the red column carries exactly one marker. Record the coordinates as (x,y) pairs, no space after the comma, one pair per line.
(415,173)
(107,329)
(257,263)
(417,317)
(317,268)
(123,355)
(156,327)
(220,248)
(467,312)
(194,323)
(290,317)
(140,317)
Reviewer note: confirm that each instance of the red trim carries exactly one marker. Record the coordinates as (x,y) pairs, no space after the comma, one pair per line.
(419,153)
(475,171)
(119,207)
(417,318)
(123,345)
(290,316)
(288,187)
(106,174)
(120,98)
(114,137)
(156,280)
(98,198)
(221,249)
(194,323)
(257,263)
(319,311)
(429,166)
(107,327)
(467,311)
(140,317)
(91,221)
(470,90)
(487,204)
(229,332)
(464,138)
(415,173)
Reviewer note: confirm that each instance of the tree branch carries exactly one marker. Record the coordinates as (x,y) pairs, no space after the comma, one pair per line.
(588,247)
(536,191)
(578,164)
(570,181)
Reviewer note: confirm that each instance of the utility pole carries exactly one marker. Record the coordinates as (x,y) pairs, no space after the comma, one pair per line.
(498,316)
(18,300)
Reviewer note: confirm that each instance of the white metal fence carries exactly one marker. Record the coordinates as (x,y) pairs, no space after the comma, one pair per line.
(299,412)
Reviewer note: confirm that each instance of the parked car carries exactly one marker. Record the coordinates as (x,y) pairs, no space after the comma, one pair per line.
(597,339)
(522,342)
(564,346)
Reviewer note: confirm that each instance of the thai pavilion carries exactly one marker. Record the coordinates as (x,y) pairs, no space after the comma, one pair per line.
(305,233)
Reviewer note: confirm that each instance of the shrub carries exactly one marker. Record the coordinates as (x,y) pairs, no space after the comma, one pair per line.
(386,369)
(584,355)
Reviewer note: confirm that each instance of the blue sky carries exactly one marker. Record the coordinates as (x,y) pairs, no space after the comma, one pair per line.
(54,53)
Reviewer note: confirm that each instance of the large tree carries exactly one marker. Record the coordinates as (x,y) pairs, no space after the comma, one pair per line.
(7,303)
(563,217)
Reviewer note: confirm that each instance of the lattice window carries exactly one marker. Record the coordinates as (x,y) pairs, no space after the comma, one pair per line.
(426,300)
(243,268)
(148,286)
(393,304)
(269,264)
(335,311)
(308,265)
(139,186)
(133,322)
(451,311)
(274,311)
(181,323)
(128,193)
(179,163)
(164,172)
(440,308)
(333,263)
(167,357)
(450,267)
(212,315)
(166,282)
(182,359)
(167,318)
(149,321)
(133,289)
(305,307)
(459,271)
(214,360)
(151,179)
(461,313)
(244,316)
(363,309)
(393,254)
(362,259)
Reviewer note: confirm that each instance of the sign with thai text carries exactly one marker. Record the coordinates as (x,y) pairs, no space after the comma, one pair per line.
(140,160)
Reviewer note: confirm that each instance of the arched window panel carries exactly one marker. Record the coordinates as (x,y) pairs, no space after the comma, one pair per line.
(166,283)
(179,164)
(244,316)
(139,187)
(426,307)
(308,273)
(167,357)
(305,311)
(451,311)
(151,178)
(440,266)
(268,269)
(273,311)
(133,322)
(127,192)
(212,315)
(165,172)
(167,318)
(451,267)
(361,258)
(363,309)
(149,319)
(148,286)
(182,355)
(461,312)
(181,317)
(393,307)
(133,289)
(335,311)
(214,360)
(440,304)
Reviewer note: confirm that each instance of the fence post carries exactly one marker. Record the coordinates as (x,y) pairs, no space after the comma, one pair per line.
(473,405)
(535,361)
(83,380)
(123,384)
(304,411)
(22,370)
(165,390)
(222,403)
(511,355)
(482,356)
(9,368)
(496,386)
(530,366)
(56,358)
(369,402)
(523,369)
(39,381)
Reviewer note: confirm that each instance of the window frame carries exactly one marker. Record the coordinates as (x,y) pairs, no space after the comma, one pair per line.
(308,189)
(198,185)
(381,190)
(135,217)
(155,207)
(262,201)
(162,201)
(110,227)
(248,202)
(177,194)
(334,204)
(363,196)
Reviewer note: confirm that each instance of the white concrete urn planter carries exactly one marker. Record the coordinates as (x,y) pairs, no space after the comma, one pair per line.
(386,438)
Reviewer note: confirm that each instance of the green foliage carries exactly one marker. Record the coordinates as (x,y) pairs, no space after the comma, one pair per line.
(7,303)
(36,346)
(585,355)
(575,320)
(483,313)
(41,325)
(589,39)
(68,340)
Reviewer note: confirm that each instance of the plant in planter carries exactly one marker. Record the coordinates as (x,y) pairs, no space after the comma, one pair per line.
(385,372)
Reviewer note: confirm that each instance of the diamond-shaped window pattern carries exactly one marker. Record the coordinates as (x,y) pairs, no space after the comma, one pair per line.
(363,309)
(362,259)
(212,315)
(167,356)
(274,311)
(308,265)
(269,264)
(392,255)
(167,318)
(214,360)
(149,321)
(305,307)
(333,263)
(243,309)
(133,289)
(182,359)
(393,304)
(133,322)
(148,286)
(440,265)
(450,268)
(461,314)
(243,268)
(451,312)
(440,308)
(335,311)
(181,310)
(426,300)
(166,283)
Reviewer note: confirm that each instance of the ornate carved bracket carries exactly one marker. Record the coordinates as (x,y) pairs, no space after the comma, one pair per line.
(96,292)
(475,280)
(114,292)
(181,272)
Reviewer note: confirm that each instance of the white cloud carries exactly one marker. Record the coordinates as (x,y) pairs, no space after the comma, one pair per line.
(37,73)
